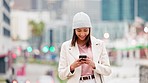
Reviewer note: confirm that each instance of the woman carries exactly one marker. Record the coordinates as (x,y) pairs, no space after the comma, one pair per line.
(90,69)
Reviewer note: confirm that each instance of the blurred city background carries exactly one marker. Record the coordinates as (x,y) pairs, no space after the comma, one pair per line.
(32,31)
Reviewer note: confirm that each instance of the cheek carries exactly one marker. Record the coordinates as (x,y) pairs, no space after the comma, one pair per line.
(87,33)
(77,33)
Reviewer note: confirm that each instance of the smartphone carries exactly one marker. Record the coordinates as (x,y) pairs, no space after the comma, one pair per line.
(82,57)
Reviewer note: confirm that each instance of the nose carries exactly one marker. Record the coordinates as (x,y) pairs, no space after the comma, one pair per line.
(82,34)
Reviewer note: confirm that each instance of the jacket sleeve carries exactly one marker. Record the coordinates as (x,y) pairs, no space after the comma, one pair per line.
(64,69)
(103,64)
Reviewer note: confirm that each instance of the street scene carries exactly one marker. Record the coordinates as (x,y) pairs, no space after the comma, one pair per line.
(32,33)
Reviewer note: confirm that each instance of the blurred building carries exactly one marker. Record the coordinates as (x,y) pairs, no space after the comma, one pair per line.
(143,9)
(124,10)
(5,30)
(30,5)
(5,42)
(23,12)
(21,30)
(21,4)
(117,10)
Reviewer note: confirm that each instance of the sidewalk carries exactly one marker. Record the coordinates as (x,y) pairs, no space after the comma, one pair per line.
(127,73)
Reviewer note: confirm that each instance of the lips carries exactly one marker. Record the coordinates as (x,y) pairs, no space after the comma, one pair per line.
(82,38)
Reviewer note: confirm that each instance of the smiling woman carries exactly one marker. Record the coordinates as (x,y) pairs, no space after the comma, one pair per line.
(96,63)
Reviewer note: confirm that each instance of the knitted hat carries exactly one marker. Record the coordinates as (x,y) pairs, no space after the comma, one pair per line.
(80,20)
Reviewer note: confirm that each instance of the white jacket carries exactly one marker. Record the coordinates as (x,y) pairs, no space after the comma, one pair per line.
(69,54)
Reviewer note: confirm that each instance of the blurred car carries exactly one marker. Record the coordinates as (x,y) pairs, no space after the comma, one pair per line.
(45,79)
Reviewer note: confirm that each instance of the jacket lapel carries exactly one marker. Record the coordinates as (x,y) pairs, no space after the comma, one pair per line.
(96,49)
(74,51)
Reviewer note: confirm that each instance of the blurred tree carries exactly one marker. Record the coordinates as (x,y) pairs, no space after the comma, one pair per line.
(37,30)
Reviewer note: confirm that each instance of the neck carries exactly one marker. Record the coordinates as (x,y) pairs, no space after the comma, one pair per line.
(81,42)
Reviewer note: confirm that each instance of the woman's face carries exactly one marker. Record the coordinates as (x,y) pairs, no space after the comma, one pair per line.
(82,33)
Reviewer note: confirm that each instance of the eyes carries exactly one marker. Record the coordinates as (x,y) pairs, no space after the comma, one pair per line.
(82,29)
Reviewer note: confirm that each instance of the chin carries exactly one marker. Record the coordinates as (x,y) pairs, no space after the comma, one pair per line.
(82,39)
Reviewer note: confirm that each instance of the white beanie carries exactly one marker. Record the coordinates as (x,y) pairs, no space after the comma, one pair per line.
(81,20)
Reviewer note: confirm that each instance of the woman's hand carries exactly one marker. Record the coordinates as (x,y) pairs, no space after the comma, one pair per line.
(79,62)
(76,64)
(90,63)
